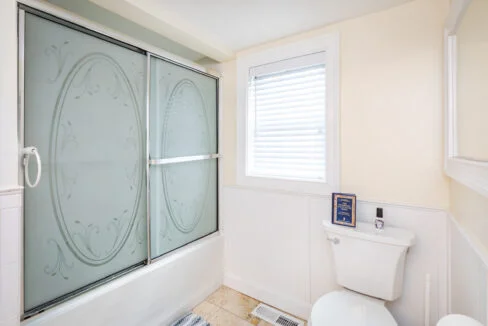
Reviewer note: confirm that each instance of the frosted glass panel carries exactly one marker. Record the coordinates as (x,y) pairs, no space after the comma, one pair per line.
(183,204)
(183,111)
(84,111)
(183,122)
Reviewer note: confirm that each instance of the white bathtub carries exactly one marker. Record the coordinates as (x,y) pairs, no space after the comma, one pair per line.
(153,295)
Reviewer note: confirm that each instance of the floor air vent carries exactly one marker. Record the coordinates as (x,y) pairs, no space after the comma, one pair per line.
(275,317)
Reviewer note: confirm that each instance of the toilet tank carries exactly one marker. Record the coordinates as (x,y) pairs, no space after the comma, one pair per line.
(368,261)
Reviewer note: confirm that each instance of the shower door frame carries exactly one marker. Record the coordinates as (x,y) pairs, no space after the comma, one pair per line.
(67,19)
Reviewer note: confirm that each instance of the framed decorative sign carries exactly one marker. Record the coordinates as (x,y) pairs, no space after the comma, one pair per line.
(344,209)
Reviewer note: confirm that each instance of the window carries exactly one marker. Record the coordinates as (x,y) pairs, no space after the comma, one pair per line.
(288,117)
(286,105)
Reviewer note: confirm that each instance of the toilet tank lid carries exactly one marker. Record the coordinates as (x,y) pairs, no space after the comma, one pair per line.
(366,231)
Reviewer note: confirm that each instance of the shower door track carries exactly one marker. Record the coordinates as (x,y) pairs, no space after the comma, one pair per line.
(87,288)
(77,23)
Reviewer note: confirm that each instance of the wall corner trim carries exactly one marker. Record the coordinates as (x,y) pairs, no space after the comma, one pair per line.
(10,190)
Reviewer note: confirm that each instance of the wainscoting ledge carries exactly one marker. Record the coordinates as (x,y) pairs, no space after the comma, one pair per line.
(10,190)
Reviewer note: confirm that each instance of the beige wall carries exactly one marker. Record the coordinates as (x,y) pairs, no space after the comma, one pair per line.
(391,105)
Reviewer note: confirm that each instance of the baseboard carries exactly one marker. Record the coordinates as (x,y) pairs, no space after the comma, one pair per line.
(298,308)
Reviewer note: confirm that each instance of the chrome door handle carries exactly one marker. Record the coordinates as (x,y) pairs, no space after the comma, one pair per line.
(27,152)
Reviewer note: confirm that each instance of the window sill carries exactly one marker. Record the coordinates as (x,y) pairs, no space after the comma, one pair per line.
(290,186)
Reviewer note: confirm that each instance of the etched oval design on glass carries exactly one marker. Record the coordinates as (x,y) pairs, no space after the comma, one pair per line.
(96,178)
(185,116)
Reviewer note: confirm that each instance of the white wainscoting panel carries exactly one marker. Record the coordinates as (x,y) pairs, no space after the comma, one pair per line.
(468,277)
(10,256)
(267,247)
(322,273)
(428,257)
(276,251)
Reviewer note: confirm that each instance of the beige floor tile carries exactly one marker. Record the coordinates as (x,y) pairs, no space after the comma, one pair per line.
(253,319)
(225,318)
(206,310)
(235,302)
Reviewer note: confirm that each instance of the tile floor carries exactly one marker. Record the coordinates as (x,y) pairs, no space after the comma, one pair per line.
(227,307)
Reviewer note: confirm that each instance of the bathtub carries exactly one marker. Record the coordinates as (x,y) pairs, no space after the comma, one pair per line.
(152,295)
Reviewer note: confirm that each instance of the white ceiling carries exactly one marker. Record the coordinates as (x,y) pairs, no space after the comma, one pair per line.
(219,28)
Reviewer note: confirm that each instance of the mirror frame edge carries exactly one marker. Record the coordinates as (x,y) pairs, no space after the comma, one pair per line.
(471,173)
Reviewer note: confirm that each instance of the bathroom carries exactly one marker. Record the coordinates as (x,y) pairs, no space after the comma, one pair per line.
(395,131)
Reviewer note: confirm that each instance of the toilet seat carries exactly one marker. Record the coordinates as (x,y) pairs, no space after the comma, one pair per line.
(346,308)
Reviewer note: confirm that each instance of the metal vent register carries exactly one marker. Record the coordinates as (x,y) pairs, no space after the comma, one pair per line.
(275,316)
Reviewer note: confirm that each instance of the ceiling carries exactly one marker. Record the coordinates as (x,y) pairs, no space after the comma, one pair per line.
(104,17)
(219,28)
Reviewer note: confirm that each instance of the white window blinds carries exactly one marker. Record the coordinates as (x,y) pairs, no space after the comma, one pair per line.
(287,119)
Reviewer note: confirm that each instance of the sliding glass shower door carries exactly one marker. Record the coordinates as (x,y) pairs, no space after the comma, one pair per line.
(84,111)
(89,103)
(183,151)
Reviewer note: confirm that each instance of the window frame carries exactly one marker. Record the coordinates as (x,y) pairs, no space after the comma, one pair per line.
(325,43)
(467,171)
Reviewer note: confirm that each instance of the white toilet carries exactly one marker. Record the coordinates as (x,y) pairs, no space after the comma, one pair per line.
(369,265)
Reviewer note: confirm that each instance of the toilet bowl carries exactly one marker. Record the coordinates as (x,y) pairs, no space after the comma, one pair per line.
(347,308)
(458,320)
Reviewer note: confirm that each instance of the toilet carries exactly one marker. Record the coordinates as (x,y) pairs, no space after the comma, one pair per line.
(369,264)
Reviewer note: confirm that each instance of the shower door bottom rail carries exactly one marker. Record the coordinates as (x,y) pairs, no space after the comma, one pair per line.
(68,296)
